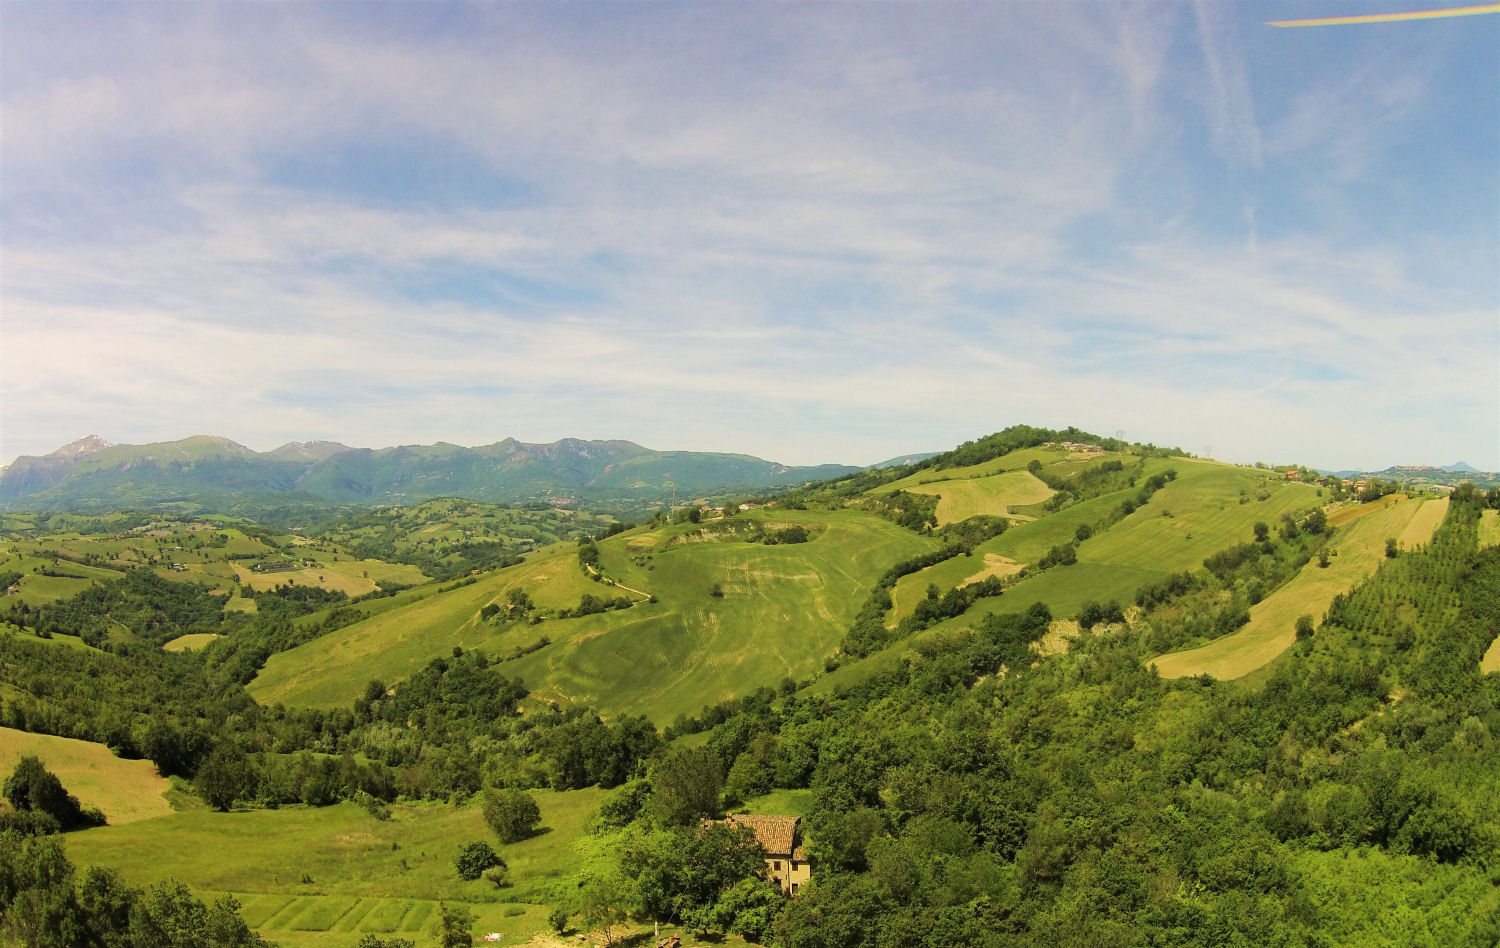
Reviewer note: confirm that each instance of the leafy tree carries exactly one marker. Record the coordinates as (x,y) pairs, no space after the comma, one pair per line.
(224,778)
(685,786)
(511,814)
(498,876)
(749,908)
(605,898)
(474,858)
(1304,627)
(1316,522)
(32,788)
(454,926)
(375,941)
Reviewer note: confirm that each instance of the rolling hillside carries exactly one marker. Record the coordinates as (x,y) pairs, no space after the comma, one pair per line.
(783,609)
(1356,553)
(970,728)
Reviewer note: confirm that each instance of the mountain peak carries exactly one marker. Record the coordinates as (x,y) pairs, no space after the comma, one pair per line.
(89,444)
(308,450)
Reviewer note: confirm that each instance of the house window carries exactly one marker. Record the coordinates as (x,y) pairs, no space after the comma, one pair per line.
(776,865)
(794,888)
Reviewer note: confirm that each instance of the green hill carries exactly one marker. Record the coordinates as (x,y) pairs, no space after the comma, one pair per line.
(783,609)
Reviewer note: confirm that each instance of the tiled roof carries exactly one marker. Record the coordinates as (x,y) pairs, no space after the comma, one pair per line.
(800,854)
(776,834)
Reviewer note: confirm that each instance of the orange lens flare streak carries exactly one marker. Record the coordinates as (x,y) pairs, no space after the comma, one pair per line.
(1392,17)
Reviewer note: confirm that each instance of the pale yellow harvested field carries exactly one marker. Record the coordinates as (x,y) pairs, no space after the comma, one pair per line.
(1424,524)
(1489,528)
(126,790)
(1347,515)
(1491,660)
(1359,551)
(995,565)
(1060,633)
(993,495)
(186,643)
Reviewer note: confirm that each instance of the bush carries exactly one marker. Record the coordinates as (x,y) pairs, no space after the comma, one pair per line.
(474,858)
(497,876)
(1304,627)
(511,814)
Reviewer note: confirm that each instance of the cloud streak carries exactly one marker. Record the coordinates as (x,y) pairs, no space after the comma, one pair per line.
(794,231)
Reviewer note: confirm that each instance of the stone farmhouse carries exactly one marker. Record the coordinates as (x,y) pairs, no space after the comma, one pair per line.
(786,859)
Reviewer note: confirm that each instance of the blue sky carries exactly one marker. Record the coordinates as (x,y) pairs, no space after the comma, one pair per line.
(810,232)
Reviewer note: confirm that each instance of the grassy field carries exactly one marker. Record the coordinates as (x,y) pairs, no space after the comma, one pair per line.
(1424,523)
(958,571)
(321,877)
(189,642)
(1014,461)
(1358,551)
(780,802)
(783,609)
(993,495)
(1491,660)
(1489,528)
(126,790)
(351,576)
(1197,515)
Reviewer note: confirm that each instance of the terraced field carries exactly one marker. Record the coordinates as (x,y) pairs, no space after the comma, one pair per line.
(1358,550)
(322,877)
(126,790)
(783,609)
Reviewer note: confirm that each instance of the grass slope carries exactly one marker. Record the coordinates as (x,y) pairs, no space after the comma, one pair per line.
(126,790)
(1489,528)
(1358,551)
(994,495)
(189,642)
(1212,506)
(367,875)
(784,609)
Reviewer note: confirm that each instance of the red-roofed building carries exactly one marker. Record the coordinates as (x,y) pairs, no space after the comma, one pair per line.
(786,859)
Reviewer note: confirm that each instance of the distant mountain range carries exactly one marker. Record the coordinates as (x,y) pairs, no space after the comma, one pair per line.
(220,474)
(1427,474)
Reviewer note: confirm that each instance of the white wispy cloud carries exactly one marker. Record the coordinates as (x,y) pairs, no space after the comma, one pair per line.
(812,233)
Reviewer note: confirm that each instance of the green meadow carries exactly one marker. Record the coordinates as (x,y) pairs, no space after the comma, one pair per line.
(1489,528)
(994,495)
(321,877)
(783,609)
